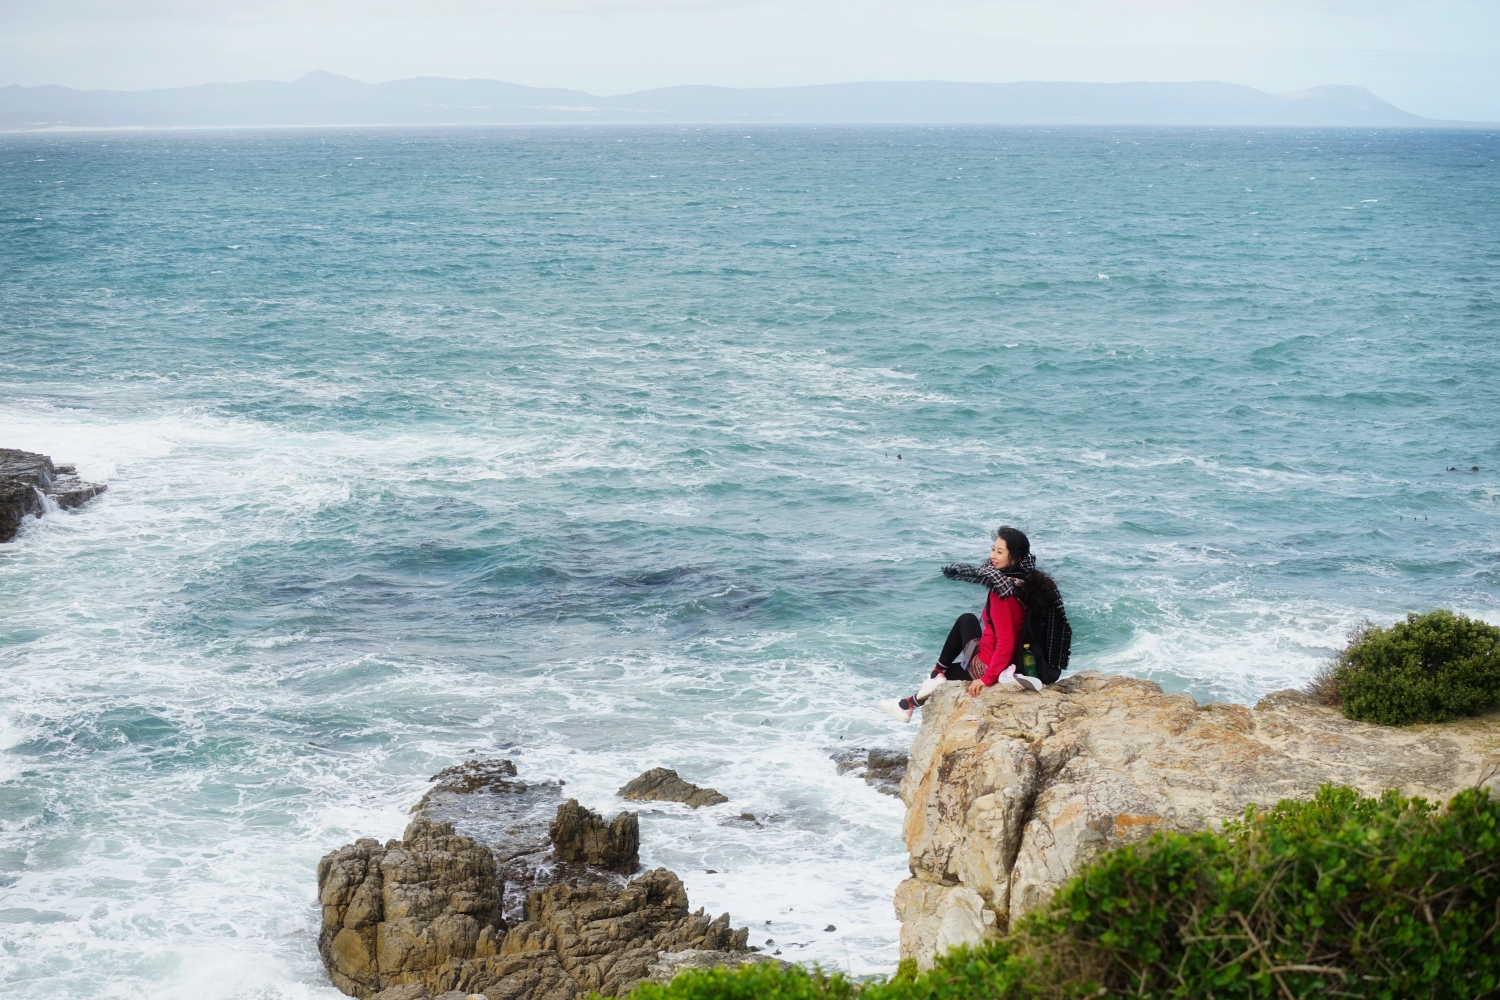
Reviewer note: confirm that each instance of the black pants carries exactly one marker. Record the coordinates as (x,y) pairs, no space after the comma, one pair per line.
(964,631)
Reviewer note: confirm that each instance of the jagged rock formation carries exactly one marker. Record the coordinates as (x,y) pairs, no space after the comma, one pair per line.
(608,939)
(393,912)
(881,769)
(28,481)
(661,784)
(425,916)
(483,799)
(1008,795)
(580,834)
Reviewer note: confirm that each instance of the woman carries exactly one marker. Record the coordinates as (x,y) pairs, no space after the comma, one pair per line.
(980,648)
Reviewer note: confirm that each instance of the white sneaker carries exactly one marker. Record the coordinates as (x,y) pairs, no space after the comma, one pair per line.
(930,685)
(892,707)
(1007,679)
(1035,683)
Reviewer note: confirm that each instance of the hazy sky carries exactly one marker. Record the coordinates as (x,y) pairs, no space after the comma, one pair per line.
(1439,58)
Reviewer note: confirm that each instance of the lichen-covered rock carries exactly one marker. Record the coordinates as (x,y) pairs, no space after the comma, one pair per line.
(29,480)
(661,784)
(1008,795)
(580,834)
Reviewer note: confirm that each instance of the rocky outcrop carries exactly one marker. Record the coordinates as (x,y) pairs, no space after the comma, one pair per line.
(427,916)
(485,800)
(1008,795)
(661,784)
(607,939)
(30,482)
(392,913)
(580,834)
(881,769)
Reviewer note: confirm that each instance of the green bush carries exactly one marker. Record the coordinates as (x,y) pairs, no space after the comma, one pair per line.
(1429,668)
(1342,896)
(993,972)
(1387,898)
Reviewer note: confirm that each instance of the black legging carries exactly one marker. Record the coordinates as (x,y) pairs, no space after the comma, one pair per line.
(964,631)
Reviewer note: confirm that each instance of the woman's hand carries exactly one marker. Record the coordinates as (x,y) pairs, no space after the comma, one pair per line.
(975,688)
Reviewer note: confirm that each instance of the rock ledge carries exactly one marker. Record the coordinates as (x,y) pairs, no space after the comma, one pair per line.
(1008,795)
(28,481)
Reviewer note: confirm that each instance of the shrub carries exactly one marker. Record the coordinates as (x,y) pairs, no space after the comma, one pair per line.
(751,982)
(1387,898)
(1324,687)
(995,971)
(1429,668)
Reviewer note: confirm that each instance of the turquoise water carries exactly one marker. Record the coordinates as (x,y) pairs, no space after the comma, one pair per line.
(615,448)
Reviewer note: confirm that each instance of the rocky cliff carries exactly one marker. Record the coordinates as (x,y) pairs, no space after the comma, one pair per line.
(29,482)
(483,895)
(1008,795)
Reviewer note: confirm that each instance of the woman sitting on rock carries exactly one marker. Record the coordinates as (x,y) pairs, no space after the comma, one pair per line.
(981,648)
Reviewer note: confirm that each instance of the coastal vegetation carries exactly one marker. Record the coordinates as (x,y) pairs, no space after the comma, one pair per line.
(1428,668)
(1339,896)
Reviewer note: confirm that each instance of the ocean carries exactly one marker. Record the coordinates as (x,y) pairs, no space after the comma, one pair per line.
(611,448)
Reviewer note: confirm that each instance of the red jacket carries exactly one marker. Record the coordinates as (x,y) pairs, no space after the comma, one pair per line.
(1001,620)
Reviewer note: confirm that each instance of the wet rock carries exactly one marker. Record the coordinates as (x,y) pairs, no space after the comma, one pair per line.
(1009,794)
(580,834)
(661,784)
(427,917)
(485,799)
(28,482)
(881,769)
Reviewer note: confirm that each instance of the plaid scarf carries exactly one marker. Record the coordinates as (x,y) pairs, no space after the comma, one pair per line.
(1003,582)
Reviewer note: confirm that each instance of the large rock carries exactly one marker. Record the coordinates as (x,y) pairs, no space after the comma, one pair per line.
(393,913)
(28,481)
(608,939)
(661,784)
(1008,795)
(580,834)
(426,916)
(484,799)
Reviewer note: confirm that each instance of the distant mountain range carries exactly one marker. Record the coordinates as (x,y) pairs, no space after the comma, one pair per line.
(325,99)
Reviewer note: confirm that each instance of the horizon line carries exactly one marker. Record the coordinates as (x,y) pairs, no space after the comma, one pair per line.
(1439,124)
(325,102)
(322,73)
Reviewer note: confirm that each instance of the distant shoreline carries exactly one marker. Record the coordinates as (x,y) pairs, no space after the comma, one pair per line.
(1425,126)
(323,100)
